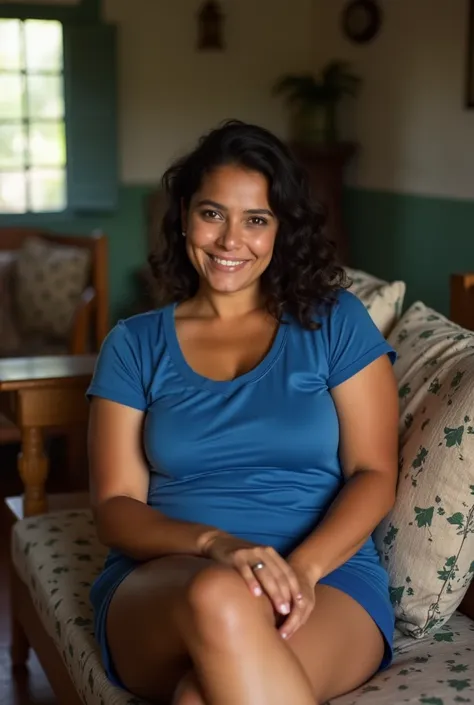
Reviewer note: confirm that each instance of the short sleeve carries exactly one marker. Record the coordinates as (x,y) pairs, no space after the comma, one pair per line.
(117,374)
(354,341)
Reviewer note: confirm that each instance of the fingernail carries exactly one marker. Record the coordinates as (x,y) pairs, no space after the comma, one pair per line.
(285,608)
(257,591)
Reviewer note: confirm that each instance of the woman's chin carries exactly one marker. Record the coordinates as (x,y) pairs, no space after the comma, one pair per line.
(228,283)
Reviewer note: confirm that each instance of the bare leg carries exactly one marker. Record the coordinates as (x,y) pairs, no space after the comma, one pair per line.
(184,612)
(178,611)
(238,655)
(339,631)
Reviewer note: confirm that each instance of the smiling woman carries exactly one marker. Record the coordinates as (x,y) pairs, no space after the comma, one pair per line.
(243,447)
(230,228)
(234,193)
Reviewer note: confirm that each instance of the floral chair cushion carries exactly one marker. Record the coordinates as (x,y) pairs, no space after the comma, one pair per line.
(427,541)
(50,279)
(383,300)
(57,556)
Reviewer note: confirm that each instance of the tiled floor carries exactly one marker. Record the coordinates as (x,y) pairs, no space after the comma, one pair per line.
(27,686)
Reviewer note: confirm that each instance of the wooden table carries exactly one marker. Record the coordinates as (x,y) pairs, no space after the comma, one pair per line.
(37,393)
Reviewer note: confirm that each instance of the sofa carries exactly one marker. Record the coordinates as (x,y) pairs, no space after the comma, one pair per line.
(53,296)
(426,542)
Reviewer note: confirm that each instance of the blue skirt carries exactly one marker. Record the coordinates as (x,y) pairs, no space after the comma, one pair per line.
(366,585)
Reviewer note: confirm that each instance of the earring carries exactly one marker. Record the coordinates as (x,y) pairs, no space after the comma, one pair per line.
(183,233)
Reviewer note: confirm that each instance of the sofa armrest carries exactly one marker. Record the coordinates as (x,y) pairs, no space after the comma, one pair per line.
(79,339)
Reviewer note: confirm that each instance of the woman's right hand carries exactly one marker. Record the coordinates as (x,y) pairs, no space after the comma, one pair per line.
(262,568)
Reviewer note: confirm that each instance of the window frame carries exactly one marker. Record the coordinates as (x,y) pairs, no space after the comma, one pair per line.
(86,12)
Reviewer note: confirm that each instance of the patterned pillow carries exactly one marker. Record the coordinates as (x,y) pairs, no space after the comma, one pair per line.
(9,335)
(427,541)
(49,281)
(383,300)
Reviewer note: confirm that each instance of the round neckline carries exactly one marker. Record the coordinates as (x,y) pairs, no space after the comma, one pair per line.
(223,386)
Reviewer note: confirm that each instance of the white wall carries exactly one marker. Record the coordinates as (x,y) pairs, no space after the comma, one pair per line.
(170,93)
(415,134)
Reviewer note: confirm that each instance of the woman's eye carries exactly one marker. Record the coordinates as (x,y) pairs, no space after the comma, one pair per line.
(256,220)
(211,214)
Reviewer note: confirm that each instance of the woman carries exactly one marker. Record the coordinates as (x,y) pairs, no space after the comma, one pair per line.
(243,447)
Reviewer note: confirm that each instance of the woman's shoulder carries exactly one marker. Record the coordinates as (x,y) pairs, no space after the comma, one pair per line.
(343,306)
(141,332)
(141,323)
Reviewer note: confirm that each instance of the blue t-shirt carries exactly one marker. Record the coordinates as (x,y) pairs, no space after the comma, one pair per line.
(256,456)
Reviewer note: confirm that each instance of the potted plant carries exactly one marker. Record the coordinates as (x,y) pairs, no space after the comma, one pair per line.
(314,100)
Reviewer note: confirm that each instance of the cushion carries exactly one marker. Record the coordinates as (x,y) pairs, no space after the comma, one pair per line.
(383,300)
(57,555)
(427,540)
(50,279)
(9,333)
(432,671)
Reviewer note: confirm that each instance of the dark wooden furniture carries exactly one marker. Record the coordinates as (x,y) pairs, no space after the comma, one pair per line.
(38,393)
(91,321)
(325,165)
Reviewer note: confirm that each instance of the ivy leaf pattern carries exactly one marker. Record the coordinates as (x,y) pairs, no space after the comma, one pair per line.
(434,513)
(424,517)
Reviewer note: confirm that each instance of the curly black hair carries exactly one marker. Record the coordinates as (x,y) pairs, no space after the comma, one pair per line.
(303,273)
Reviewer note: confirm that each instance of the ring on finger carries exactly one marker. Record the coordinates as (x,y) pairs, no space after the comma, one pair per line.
(257,566)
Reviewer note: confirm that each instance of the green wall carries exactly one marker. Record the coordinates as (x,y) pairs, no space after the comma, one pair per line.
(421,240)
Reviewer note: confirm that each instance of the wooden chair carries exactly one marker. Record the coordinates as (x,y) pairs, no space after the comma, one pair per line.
(90,324)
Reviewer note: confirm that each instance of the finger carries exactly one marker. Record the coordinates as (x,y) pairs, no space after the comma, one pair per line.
(283,573)
(249,577)
(295,620)
(299,616)
(274,582)
(293,582)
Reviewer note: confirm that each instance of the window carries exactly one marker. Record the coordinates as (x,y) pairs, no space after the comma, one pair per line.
(33,174)
(58,113)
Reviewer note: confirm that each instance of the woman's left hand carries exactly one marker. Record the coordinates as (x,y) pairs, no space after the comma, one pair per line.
(301,609)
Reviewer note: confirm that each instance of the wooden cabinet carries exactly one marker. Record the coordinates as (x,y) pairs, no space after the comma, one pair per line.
(325,164)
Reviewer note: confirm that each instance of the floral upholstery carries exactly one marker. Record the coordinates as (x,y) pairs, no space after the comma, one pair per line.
(57,555)
(383,300)
(49,281)
(427,540)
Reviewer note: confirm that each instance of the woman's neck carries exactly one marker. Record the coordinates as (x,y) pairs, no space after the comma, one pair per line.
(211,304)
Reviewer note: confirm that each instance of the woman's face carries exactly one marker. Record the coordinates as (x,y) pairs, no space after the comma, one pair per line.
(230,229)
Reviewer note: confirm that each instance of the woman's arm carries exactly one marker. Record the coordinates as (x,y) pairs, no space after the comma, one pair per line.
(367,407)
(119,479)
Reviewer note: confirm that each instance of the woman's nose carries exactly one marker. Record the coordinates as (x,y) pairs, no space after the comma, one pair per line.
(231,236)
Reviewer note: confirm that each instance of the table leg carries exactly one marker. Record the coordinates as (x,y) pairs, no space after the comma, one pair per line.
(33,467)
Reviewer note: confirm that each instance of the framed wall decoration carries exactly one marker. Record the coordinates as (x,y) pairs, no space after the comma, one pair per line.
(470,58)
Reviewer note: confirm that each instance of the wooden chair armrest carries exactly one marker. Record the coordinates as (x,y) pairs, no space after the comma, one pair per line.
(462,299)
(79,339)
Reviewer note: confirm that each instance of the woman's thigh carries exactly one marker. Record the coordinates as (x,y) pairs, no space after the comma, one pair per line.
(146,616)
(145,646)
(340,647)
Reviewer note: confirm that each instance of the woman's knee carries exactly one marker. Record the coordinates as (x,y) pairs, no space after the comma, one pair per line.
(219,600)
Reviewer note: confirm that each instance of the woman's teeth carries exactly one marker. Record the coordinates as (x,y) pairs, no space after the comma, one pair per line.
(227,262)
